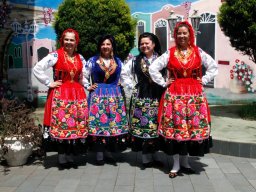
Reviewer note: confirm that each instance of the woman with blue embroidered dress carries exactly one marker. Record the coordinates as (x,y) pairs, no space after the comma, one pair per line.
(184,115)
(145,99)
(66,108)
(108,125)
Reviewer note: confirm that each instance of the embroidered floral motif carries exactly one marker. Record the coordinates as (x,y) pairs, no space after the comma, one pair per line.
(144,117)
(69,119)
(107,116)
(185,118)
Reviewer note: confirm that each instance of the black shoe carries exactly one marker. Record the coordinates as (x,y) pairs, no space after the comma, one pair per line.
(73,165)
(148,165)
(100,162)
(188,170)
(62,166)
(111,160)
(174,174)
(158,163)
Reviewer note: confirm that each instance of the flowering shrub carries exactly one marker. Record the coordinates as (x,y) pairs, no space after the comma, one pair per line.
(244,73)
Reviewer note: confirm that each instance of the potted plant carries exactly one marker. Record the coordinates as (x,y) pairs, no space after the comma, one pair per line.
(18,131)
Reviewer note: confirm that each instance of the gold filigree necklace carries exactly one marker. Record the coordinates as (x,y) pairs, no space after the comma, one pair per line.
(72,70)
(185,60)
(108,70)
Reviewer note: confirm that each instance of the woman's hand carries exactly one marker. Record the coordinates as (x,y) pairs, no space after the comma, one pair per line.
(199,80)
(92,87)
(55,84)
(169,82)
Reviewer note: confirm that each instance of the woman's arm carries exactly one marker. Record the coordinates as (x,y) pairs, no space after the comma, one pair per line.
(83,74)
(210,65)
(155,68)
(39,69)
(126,75)
(86,73)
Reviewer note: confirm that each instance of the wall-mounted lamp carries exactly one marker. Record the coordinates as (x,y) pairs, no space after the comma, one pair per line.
(195,21)
(172,20)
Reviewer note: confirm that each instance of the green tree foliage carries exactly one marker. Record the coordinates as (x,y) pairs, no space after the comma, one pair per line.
(93,18)
(237,19)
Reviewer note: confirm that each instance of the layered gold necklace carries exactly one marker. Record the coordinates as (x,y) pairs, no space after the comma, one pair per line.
(73,69)
(185,60)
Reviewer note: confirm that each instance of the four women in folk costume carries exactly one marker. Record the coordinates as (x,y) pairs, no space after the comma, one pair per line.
(184,116)
(145,99)
(183,113)
(108,126)
(66,108)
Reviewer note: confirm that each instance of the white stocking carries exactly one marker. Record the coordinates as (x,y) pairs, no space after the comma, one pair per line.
(176,163)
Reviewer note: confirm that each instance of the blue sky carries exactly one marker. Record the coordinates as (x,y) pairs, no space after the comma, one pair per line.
(147,6)
(135,5)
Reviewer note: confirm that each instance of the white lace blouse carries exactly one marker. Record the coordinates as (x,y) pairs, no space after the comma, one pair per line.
(127,79)
(49,61)
(162,61)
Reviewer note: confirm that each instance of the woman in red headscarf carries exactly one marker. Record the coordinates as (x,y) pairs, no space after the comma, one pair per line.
(184,116)
(66,108)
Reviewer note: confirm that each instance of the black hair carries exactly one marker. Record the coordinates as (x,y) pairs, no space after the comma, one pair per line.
(110,38)
(154,39)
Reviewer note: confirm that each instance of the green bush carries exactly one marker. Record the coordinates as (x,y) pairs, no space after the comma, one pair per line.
(237,21)
(93,18)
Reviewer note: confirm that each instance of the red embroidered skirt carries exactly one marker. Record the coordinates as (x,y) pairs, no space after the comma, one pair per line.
(66,111)
(184,114)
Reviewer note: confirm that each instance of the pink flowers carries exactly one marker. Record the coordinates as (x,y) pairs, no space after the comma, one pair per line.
(107,109)
(176,119)
(103,118)
(196,121)
(94,109)
(61,114)
(118,117)
(71,122)
(168,111)
(203,110)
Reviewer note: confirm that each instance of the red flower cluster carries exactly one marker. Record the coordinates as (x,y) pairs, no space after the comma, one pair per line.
(243,73)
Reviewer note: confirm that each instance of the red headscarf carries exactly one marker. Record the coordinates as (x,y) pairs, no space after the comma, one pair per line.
(69,30)
(191,32)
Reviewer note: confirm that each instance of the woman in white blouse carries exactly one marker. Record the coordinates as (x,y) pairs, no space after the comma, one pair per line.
(184,116)
(145,99)
(66,108)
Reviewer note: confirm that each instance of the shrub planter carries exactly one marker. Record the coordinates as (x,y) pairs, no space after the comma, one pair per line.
(17,152)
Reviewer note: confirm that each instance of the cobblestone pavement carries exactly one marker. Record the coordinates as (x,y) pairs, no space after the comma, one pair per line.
(215,173)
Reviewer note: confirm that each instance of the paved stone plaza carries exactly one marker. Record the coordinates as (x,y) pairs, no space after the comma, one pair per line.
(216,172)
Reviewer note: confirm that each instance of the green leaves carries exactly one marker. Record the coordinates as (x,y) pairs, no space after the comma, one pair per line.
(237,19)
(93,18)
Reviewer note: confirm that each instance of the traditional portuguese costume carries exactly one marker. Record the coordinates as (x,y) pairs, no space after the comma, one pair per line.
(184,115)
(143,105)
(66,108)
(108,125)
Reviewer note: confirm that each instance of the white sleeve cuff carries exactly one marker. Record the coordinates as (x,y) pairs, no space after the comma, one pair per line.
(48,83)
